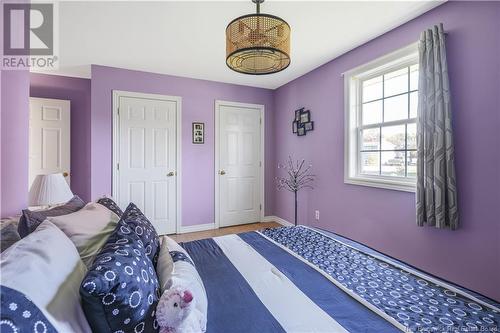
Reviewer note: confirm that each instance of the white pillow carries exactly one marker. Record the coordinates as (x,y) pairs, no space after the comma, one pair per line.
(185,274)
(46,267)
(165,265)
(89,228)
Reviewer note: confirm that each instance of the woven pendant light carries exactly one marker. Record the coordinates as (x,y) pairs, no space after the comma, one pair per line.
(258,43)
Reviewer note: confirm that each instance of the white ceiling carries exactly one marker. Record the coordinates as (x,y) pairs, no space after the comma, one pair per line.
(187,38)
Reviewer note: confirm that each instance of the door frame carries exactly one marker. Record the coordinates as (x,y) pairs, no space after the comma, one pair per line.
(261,108)
(178,145)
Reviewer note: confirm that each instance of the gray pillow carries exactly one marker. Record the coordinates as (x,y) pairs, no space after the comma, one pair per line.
(8,235)
(30,220)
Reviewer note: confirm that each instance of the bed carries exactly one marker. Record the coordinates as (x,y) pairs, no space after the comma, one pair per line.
(301,279)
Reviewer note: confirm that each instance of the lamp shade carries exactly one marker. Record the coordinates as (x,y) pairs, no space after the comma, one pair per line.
(258,43)
(49,190)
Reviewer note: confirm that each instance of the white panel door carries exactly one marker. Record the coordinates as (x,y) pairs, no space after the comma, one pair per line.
(240,165)
(49,138)
(147,159)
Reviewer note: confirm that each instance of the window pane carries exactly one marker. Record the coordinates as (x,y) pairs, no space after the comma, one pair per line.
(396,82)
(411,136)
(411,163)
(413,104)
(370,139)
(396,108)
(393,137)
(414,77)
(370,163)
(393,163)
(372,89)
(372,113)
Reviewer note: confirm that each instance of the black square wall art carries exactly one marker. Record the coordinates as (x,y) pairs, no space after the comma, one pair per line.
(302,123)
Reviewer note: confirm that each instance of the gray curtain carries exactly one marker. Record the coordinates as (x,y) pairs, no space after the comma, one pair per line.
(436,181)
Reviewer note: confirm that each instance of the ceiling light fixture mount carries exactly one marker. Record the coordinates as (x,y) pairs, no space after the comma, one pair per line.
(258,43)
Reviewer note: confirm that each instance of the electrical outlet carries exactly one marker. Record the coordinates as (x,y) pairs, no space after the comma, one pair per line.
(316,215)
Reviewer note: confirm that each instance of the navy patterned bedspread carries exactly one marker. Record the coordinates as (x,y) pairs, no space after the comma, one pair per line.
(408,298)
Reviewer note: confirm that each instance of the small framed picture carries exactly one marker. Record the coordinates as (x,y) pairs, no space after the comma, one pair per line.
(297,114)
(198,133)
(309,126)
(294,126)
(305,117)
(301,131)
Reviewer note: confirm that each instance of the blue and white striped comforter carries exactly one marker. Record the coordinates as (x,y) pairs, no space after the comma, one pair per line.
(298,279)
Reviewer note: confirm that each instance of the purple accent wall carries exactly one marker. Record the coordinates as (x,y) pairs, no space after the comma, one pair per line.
(385,219)
(76,90)
(198,99)
(14,141)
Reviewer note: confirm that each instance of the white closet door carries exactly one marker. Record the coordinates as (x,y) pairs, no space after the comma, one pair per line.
(147,159)
(49,138)
(240,165)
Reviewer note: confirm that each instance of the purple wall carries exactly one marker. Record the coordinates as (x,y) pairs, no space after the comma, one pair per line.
(78,92)
(198,97)
(385,219)
(14,141)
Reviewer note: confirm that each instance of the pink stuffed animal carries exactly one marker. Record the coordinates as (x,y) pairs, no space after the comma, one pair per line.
(175,312)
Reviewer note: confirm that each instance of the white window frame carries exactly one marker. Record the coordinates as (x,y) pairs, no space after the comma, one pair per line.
(352,106)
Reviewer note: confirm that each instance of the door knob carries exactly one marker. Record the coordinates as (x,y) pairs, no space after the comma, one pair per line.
(170,174)
(65,174)
(222,172)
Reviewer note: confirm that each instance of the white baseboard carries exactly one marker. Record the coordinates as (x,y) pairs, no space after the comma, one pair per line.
(277,219)
(210,226)
(197,227)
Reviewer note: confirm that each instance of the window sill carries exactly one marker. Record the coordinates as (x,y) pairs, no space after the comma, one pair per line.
(382,183)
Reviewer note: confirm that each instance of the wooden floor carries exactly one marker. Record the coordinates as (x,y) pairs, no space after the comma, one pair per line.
(223,231)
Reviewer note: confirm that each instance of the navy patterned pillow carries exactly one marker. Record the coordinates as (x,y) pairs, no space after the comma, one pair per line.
(179,256)
(121,289)
(20,314)
(31,219)
(140,225)
(111,205)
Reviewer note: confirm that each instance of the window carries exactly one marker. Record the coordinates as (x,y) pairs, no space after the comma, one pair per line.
(381,110)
